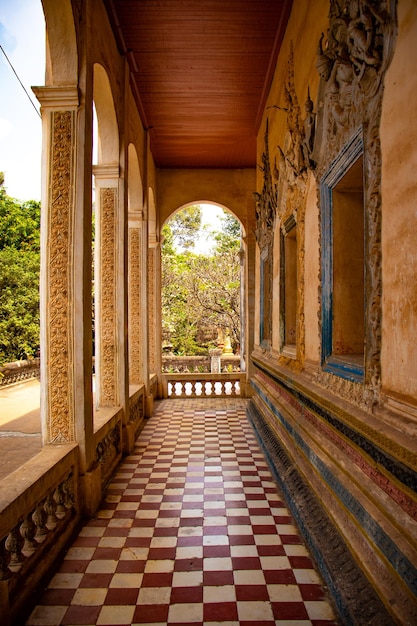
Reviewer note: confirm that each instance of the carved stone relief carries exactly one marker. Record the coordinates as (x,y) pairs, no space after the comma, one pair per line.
(135,314)
(266,202)
(108,356)
(61,426)
(284,191)
(352,59)
(151,309)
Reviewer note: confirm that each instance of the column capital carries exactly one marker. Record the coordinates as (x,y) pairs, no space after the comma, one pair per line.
(135,216)
(107,172)
(153,241)
(62,97)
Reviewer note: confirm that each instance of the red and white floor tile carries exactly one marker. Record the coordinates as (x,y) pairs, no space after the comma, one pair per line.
(193,532)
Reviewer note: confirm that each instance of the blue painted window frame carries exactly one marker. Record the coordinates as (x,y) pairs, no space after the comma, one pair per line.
(349,154)
(265,286)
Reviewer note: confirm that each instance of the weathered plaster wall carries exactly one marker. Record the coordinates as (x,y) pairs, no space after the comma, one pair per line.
(399,220)
(312,269)
(362,469)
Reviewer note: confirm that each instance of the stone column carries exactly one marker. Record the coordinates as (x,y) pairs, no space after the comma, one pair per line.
(108,285)
(135,280)
(215,360)
(154,306)
(65,282)
(249,243)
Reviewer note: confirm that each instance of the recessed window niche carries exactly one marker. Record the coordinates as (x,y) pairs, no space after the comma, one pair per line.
(289,287)
(343,263)
(265,303)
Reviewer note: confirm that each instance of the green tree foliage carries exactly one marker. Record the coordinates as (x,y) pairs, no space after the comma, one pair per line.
(228,238)
(201,292)
(185,225)
(19,277)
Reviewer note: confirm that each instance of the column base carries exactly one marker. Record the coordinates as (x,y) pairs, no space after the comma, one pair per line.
(91,491)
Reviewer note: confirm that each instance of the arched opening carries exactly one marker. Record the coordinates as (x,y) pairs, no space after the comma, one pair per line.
(202,288)
(135,265)
(61,69)
(105,224)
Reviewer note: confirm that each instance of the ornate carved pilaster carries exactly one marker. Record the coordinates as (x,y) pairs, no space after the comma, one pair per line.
(59,107)
(61,427)
(108,322)
(135,304)
(151,309)
(106,285)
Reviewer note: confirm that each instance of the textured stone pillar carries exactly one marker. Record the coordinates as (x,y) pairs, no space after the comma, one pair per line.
(107,353)
(135,280)
(65,281)
(248,323)
(154,306)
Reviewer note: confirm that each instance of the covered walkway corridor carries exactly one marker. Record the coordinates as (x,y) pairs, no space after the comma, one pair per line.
(291,115)
(193,530)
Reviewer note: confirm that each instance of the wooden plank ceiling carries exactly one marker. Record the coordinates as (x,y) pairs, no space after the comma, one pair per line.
(200,72)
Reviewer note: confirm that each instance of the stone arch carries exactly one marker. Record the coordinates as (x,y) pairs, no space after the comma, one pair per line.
(205,202)
(136,263)
(243,279)
(108,243)
(152,217)
(108,135)
(61,43)
(134,182)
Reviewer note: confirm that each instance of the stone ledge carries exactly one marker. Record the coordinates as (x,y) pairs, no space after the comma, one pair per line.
(356,600)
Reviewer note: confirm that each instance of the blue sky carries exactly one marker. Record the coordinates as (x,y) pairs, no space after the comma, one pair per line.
(22,36)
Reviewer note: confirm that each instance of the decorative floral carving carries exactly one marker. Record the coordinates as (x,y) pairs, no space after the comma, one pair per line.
(151,309)
(61,427)
(135,317)
(108,356)
(352,60)
(291,175)
(266,202)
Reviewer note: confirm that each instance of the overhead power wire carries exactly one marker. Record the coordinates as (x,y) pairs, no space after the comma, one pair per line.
(21,84)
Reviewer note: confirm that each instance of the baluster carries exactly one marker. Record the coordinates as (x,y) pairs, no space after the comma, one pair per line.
(50,507)
(193,391)
(69,499)
(5,573)
(14,544)
(183,391)
(39,518)
(59,500)
(28,531)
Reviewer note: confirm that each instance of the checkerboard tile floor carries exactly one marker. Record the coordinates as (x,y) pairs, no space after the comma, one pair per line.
(193,531)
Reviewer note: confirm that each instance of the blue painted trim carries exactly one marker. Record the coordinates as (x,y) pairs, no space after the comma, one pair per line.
(307,535)
(398,561)
(262,303)
(345,370)
(338,168)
